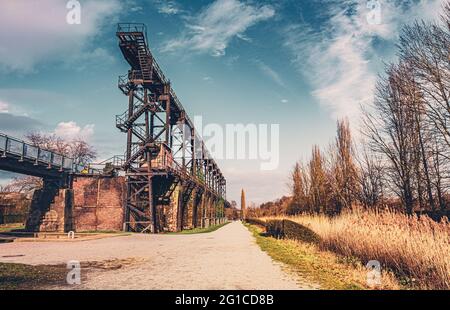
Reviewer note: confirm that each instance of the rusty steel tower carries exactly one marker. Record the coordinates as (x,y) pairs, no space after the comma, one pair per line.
(164,153)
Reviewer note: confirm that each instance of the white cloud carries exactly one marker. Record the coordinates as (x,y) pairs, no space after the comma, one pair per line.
(284,101)
(215,26)
(272,74)
(339,59)
(37,31)
(136,9)
(70,130)
(4,107)
(168,7)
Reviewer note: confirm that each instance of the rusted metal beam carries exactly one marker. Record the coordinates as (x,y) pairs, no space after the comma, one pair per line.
(150,142)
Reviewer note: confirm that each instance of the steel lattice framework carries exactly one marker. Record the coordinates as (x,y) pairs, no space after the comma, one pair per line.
(163,150)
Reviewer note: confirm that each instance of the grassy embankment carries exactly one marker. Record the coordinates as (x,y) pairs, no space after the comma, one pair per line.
(198,230)
(416,250)
(325,268)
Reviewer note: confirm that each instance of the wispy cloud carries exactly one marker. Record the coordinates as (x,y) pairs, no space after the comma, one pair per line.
(38,31)
(212,30)
(340,58)
(270,73)
(168,7)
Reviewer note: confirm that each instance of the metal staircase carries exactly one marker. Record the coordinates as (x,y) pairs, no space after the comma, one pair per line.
(145,59)
(139,150)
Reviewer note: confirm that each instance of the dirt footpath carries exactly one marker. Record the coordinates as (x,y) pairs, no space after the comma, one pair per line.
(225,259)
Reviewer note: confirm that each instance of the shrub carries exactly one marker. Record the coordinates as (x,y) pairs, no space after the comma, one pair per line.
(290,230)
(296,231)
(274,228)
(257,222)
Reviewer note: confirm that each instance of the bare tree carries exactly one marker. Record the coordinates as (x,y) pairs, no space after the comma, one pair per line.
(24,185)
(48,142)
(4,189)
(343,172)
(446,15)
(426,48)
(318,181)
(389,127)
(370,178)
(407,154)
(440,174)
(300,191)
(81,151)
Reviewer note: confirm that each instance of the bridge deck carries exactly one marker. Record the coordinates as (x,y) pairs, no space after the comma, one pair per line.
(24,158)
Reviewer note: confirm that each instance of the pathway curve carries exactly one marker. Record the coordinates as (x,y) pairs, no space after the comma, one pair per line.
(228,258)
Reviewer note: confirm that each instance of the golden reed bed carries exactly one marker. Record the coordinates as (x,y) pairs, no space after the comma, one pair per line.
(414,248)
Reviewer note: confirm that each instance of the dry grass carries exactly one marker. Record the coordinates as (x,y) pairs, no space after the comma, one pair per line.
(416,249)
(324,268)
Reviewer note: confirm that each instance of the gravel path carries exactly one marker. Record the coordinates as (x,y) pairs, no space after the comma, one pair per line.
(225,259)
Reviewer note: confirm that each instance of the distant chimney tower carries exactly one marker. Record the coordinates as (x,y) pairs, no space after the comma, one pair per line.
(243,204)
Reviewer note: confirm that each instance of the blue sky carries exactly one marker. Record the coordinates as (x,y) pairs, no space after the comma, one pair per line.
(299,64)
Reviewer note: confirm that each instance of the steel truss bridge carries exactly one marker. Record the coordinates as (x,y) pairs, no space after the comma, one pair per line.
(20,157)
(57,171)
(163,150)
(164,153)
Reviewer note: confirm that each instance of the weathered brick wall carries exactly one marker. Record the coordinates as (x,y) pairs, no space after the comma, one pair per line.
(188,213)
(98,203)
(53,219)
(14,207)
(48,210)
(94,204)
(168,214)
(202,211)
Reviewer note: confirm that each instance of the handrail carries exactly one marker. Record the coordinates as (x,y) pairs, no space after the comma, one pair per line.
(107,166)
(116,160)
(132,27)
(17,147)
